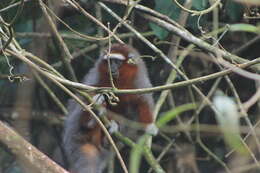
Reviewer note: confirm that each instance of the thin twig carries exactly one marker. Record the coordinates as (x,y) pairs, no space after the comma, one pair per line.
(85,13)
(194,12)
(13,5)
(50,92)
(152,89)
(198,42)
(63,47)
(46,74)
(250,102)
(172,55)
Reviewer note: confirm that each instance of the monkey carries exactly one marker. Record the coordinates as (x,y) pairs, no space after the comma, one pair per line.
(83,138)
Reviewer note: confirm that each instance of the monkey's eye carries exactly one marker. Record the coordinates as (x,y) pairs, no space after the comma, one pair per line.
(103,53)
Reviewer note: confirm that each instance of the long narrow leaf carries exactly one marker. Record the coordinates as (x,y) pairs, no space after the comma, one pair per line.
(170,115)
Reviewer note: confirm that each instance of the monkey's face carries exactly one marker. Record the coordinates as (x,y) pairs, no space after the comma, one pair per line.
(116,60)
(120,55)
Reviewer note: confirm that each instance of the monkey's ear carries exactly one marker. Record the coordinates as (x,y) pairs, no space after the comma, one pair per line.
(131,55)
(102,53)
(132,58)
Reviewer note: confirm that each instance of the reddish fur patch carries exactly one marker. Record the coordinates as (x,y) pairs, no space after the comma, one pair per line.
(145,114)
(94,134)
(127,74)
(90,150)
(125,80)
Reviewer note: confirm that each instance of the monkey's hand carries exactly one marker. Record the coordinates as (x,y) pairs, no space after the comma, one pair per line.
(99,100)
(152,129)
(114,127)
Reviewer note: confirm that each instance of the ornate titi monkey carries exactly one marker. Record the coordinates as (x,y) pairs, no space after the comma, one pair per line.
(83,138)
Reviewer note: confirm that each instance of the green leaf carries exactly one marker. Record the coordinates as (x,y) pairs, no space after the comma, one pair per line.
(234,10)
(228,119)
(170,115)
(160,32)
(168,8)
(136,154)
(199,4)
(193,22)
(245,28)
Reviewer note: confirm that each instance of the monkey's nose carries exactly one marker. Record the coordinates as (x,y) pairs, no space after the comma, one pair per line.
(115,65)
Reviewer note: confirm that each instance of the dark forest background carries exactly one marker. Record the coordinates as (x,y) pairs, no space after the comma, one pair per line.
(197,139)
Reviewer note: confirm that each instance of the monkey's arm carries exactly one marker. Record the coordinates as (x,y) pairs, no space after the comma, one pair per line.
(145,102)
(145,114)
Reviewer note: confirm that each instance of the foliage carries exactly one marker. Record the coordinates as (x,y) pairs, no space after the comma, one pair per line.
(209,131)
